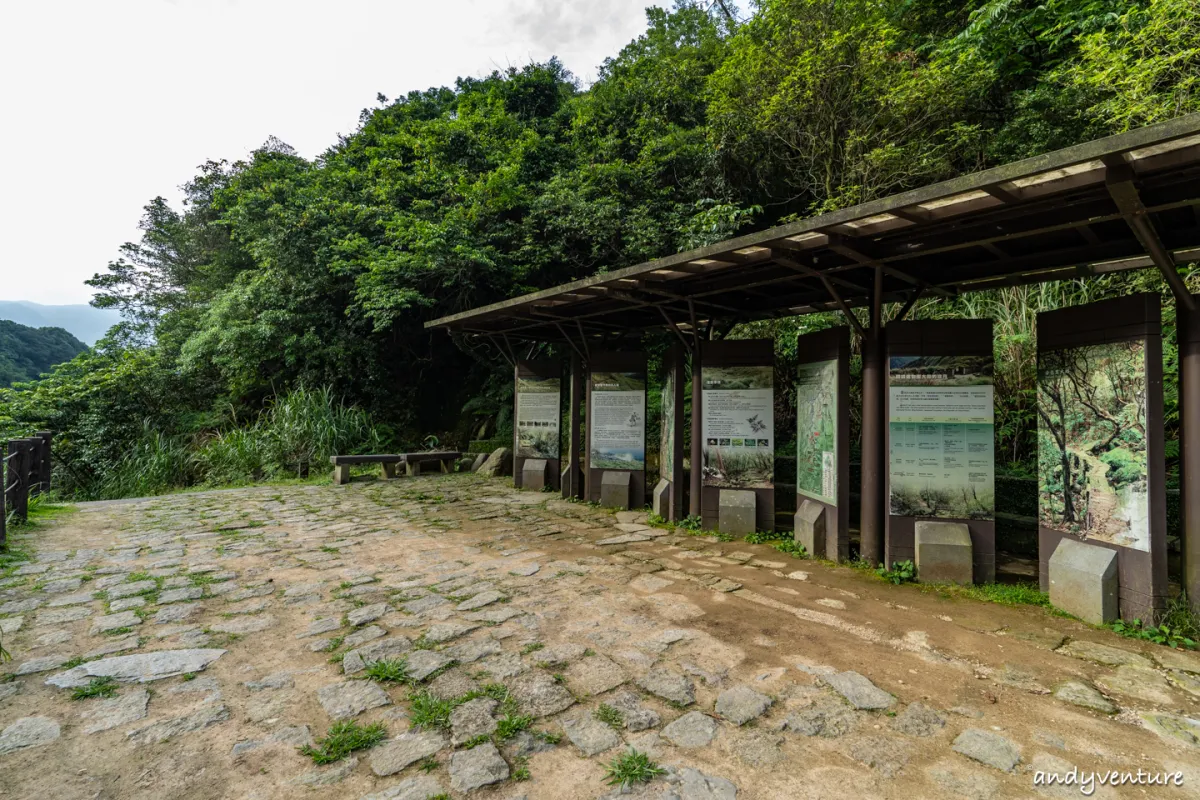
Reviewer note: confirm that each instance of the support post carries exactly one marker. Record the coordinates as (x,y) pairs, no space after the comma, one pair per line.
(19,465)
(870,526)
(1188,327)
(4,479)
(695,476)
(44,462)
(572,485)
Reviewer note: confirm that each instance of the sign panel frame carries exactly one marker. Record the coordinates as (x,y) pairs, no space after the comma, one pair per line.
(614,379)
(670,443)
(535,378)
(1083,340)
(824,363)
(936,373)
(738,367)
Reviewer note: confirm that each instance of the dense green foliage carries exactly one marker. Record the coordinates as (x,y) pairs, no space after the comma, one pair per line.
(26,353)
(281,274)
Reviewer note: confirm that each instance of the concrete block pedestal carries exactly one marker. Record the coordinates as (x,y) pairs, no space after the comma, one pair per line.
(1083,581)
(809,528)
(615,489)
(533,474)
(944,552)
(662,498)
(736,512)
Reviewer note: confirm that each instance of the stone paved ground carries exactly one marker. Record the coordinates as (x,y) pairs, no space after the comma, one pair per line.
(239,625)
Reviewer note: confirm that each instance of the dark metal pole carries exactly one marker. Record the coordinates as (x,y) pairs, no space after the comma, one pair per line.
(1188,327)
(696,483)
(871,502)
(573,486)
(43,462)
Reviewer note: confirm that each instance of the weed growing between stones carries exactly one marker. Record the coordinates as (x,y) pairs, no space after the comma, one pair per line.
(549,737)
(476,741)
(1179,616)
(343,739)
(389,671)
(97,687)
(901,572)
(531,648)
(520,769)
(791,548)
(631,767)
(512,724)
(428,764)
(1162,633)
(609,716)
(427,711)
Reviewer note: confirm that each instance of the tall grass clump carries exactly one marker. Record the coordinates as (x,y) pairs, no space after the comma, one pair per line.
(306,426)
(156,463)
(300,430)
(296,433)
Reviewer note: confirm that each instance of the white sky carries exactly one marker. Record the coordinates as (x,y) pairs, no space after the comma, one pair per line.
(108,104)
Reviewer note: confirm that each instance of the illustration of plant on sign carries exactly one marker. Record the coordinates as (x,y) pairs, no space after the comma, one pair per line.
(756,424)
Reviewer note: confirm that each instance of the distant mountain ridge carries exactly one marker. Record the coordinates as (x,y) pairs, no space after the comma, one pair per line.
(85,323)
(25,352)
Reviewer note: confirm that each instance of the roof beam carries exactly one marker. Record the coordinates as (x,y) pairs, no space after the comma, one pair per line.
(1119,180)
(791,263)
(839,245)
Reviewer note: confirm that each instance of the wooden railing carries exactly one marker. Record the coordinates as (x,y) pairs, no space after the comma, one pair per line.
(25,473)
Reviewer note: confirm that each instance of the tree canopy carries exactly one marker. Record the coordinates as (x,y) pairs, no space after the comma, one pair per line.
(26,353)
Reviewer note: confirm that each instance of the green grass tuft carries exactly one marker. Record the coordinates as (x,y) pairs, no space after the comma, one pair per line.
(97,687)
(510,725)
(389,670)
(549,737)
(427,711)
(343,739)
(631,767)
(610,716)
(1006,594)
(476,741)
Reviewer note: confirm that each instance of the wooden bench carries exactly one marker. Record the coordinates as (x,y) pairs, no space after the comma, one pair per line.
(413,463)
(342,464)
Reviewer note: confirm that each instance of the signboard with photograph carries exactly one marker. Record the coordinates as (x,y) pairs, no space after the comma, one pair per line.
(617,425)
(738,408)
(1092,466)
(538,417)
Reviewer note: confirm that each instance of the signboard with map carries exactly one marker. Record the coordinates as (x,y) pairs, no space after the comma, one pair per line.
(817,430)
(666,436)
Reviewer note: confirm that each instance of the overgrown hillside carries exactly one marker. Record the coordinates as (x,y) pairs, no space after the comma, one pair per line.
(25,353)
(282,274)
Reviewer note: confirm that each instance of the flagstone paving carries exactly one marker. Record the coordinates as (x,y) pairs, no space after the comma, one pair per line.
(511,644)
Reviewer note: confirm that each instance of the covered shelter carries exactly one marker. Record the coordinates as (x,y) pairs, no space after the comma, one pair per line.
(1121,203)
